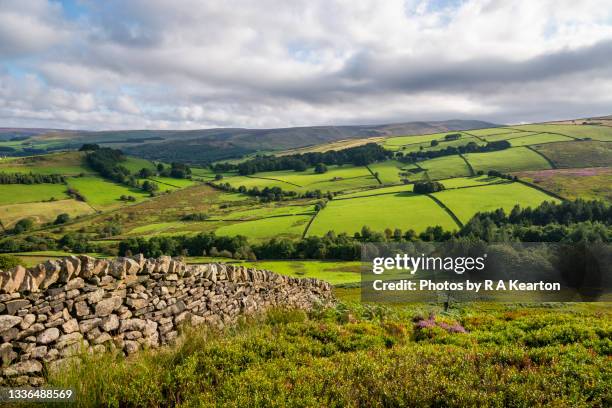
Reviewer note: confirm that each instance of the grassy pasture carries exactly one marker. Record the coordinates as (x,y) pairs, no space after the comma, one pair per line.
(266,228)
(388,171)
(134,164)
(174,182)
(30,193)
(427,147)
(443,167)
(601,133)
(466,202)
(41,212)
(330,271)
(578,154)
(393,143)
(103,194)
(252,212)
(514,159)
(538,138)
(402,210)
(472,181)
(337,178)
(587,183)
(377,191)
(68,164)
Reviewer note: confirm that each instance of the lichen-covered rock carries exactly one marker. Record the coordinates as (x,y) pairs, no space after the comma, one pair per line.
(6,322)
(48,336)
(107,306)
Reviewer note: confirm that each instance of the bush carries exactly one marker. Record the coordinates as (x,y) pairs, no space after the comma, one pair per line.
(426,187)
(9,261)
(23,225)
(62,219)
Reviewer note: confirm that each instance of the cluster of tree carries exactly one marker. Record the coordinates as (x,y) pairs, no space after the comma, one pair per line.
(359,156)
(471,147)
(76,194)
(452,136)
(30,178)
(127,198)
(72,242)
(89,147)
(499,174)
(195,217)
(149,186)
(107,162)
(176,170)
(565,213)
(271,193)
(427,187)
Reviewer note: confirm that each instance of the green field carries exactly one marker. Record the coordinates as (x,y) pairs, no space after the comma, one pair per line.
(42,212)
(68,164)
(466,202)
(337,178)
(578,154)
(252,212)
(514,159)
(538,138)
(602,133)
(443,167)
(134,164)
(401,210)
(102,194)
(267,228)
(388,171)
(30,193)
(330,271)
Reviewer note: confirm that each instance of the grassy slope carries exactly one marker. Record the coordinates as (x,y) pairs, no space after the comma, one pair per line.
(464,203)
(104,194)
(514,159)
(42,212)
(603,133)
(401,210)
(589,183)
(578,154)
(30,193)
(69,164)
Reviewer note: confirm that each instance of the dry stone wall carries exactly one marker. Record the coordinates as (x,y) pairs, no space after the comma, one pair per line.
(52,311)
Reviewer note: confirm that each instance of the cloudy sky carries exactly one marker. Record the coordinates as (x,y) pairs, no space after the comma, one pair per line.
(155,64)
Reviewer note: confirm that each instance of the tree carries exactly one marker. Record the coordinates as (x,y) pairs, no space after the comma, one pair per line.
(320,168)
(145,173)
(23,225)
(218,177)
(160,167)
(426,187)
(434,143)
(62,219)
(89,147)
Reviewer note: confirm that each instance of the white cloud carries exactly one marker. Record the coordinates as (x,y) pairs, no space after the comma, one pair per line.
(191,64)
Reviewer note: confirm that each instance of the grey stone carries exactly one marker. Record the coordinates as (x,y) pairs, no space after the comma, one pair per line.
(107,306)
(70,326)
(22,368)
(110,323)
(6,322)
(48,336)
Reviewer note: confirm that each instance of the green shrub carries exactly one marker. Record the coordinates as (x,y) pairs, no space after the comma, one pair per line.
(9,261)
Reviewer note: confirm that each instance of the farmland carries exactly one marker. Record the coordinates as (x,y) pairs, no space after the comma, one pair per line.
(589,183)
(515,159)
(465,202)
(578,154)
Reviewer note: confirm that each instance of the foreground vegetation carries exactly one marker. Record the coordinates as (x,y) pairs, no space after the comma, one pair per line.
(365,355)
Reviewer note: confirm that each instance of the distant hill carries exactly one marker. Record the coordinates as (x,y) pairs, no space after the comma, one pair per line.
(207,145)
(200,146)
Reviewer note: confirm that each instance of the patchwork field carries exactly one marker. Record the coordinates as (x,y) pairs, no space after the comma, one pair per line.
(514,159)
(266,228)
(41,212)
(537,139)
(601,133)
(588,183)
(401,210)
(389,171)
(68,164)
(578,154)
(102,194)
(466,202)
(443,167)
(30,193)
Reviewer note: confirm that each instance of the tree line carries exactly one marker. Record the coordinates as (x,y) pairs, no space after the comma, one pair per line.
(30,178)
(358,156)
(471,147)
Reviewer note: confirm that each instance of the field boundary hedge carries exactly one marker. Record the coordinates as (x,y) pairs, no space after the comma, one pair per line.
(448,210)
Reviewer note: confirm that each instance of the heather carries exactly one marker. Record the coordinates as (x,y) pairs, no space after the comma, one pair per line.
(370,355)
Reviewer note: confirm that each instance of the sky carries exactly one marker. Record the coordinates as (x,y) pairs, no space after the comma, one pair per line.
(189,64)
